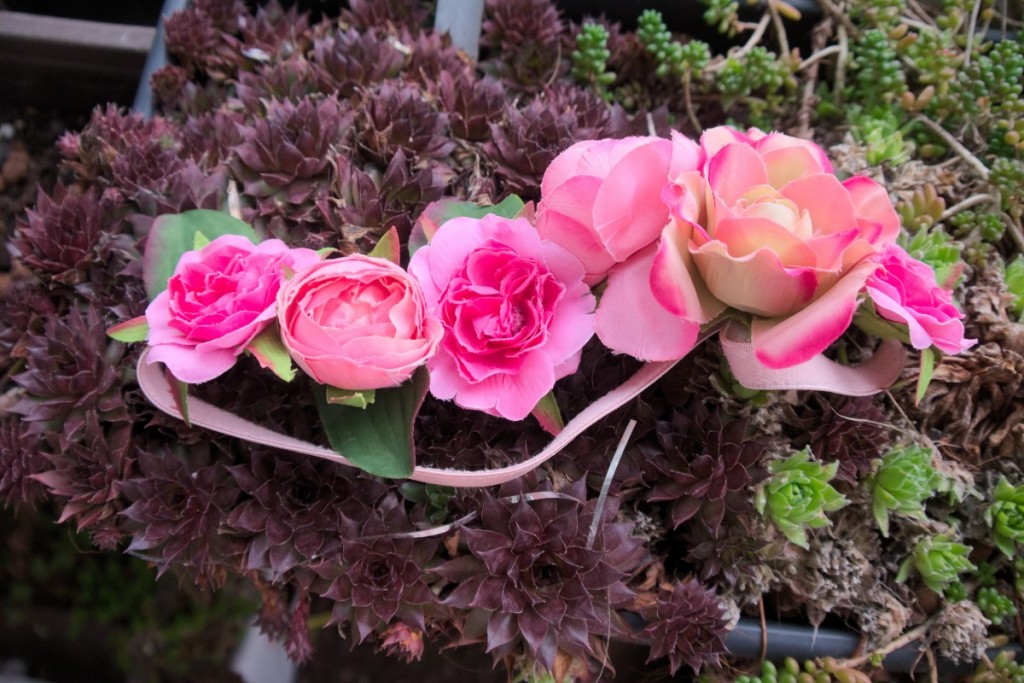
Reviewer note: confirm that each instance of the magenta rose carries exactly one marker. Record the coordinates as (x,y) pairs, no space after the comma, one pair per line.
(219,298)
(601,199)
(766,228)
(357,323)
(904,290)
(515,310)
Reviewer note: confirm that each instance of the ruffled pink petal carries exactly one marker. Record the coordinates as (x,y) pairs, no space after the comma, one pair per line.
(628,212)
(783,342)
(872,204)
(757,283)
(786,164)
(744,236)
(675,282)
(630,320)
(433,266)
(734,170)
(687,155)
(774,143)
(714,139)
(158,317)
(189,365)
(825,199)
(587,158)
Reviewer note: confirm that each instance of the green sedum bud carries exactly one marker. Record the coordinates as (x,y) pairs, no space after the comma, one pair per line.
(1006,516)
(939,560)
(903,481)
(797,496)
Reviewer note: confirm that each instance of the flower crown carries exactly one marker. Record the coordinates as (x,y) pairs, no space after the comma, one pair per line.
(652,244)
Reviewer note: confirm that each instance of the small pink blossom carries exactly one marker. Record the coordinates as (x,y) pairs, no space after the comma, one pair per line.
(601,198)
(515,310)
(357,323)
(904,290)
(219,298)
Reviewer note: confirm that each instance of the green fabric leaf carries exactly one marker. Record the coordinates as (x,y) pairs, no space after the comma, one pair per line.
(268,350)
(548,415)
(388,247)
(134,330)
(924,378)
(179,390)
(437,213)
(377,438)
(174,234)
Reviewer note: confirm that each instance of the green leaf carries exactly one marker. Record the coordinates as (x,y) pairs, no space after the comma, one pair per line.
(134,330)
(268,350)
(438,213)
(199,240)
(348,397)
(174,234)
(378,438)
(388,247)
(548,415)
(924,378)
(179,390)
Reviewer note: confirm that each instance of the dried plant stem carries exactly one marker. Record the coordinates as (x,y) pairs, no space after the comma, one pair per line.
(1016,231)
(910,636)
(764,630)
(819,36)
(844,55)
(921,12)
(688,102)
(933,670)
(818,56)
(971,201)
(751,43)
(839,15)
(780,29)
(972,26)
(954,144)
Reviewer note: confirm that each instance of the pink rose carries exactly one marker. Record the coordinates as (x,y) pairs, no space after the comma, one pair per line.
(357,323)
(219,298)
(767,229)
(601,198)
(904,290)
(515,310)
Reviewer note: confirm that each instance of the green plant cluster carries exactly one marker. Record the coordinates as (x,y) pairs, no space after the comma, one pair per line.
(994,604)
(1003,669)
(904,479)
(811,671)
(939,560)
(590,58)
(1013,274)
(798,495)
(1006,517)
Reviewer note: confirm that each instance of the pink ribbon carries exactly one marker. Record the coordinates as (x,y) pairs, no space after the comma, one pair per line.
(819,373)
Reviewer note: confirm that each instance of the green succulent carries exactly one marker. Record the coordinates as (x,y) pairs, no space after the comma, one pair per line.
(590,58)
(880,130)
(1014,277)
(940,251)
(994,605)
(797,496)
(905,478)
(939,560)
(1006,516)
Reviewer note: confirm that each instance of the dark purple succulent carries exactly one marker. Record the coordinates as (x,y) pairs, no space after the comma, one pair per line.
(275,32)
(209,138)
(70,376)
(350,59)
(399,118)
(847,429)
(111,131)
(472,104)
(290,79)
(20,461)
(432,54)
(24,308)
(177,513)
(196,41)
(688,627)
(89,472)
(534,583)
(729,557)
(368,14)
(292,510)
(382,573)
(284,159)
(709,468)
(523,38)
(59,237)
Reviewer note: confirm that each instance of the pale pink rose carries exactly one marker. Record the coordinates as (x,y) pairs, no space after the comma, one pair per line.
(600,199)
(219,298)
(357,322)
(515,310)
(904,290)
(767,229)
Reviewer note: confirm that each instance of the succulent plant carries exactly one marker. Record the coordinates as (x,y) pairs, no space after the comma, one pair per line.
(350,59)
(689,627)
(821,671)
(472,104)
(798,494)
(590,58)
(714,481)
(523,37)
(994,605)
(844,429)
(535,583)
(368,14)
(394,118)
(1006,516)
(938,559)
(905,478)
(1013,274)
(275,32)
(195,40)
(1002,669)
(20,461)
(290,79)
(379,576)
(940,251)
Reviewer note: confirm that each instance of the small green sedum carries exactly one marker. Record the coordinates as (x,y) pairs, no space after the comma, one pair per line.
(797,496)
(1006,517)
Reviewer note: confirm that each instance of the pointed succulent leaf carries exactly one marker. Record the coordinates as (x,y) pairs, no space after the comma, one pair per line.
(268,350)
(798,495)
(388,247)
(134,330)
(939,560)
(904,479)
(548,415)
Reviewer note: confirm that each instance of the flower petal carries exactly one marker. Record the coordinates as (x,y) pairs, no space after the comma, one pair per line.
(780,343)
(825,199)
(734,170)
(872,205)
(675,281)
(757,283)
(190,366)
(630,320)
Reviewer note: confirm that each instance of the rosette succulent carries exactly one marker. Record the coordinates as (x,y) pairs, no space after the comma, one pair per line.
(689,627)
(939,560)
(1006,516)
(798,494)
(904,480)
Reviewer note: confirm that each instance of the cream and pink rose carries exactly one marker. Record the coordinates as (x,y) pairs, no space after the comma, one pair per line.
(219,298)
(602,198)
(904,290)
(766,228)
(357,323)
(515,310)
